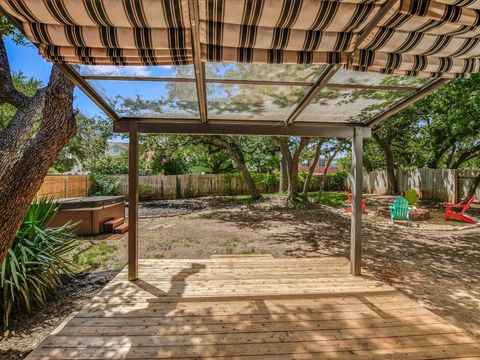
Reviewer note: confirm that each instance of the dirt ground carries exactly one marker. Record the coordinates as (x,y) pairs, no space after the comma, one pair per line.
(437,263)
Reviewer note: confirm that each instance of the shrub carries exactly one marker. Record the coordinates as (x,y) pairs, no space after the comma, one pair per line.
(411,196)
(266,179)
(145,192)
(36,260)
(335,181)
(104,185)
(302,175)
(110,164)
(330,198)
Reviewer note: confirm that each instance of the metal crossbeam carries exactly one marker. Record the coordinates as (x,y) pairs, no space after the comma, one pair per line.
(405,102)
(88,90)
(249,82)
(319,84)
(224,127)
(198,65)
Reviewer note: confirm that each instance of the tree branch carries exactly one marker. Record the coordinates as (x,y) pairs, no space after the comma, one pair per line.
(8,93)
(466,155)
(311,170)
(20,183)
(19,129)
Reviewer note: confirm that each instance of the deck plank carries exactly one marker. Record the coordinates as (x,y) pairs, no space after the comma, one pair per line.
(256,308)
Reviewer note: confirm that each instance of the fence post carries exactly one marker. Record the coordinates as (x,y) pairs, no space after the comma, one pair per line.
(455,186)
(65,184)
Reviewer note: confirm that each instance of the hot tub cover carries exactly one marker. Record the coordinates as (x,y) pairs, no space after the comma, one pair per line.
(88,202)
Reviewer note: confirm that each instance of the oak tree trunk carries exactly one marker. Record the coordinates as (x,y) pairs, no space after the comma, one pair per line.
(283,184)
(367,164)
(238,158)
(325,171)
(387,149)
(311,170)
(292,165)
(392,180)
(27,154)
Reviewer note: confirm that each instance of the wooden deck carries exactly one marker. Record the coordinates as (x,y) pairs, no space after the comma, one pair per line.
(254,308)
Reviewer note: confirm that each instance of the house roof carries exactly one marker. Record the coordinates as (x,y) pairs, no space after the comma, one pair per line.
(262,62)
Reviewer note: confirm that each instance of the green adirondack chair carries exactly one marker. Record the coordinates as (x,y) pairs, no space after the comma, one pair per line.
(400,210)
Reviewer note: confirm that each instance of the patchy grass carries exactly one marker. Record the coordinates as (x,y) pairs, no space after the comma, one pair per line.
(329,198)
(189,241)
(97,256)
(203,216)
(237,245)
(248,251)
(167,244)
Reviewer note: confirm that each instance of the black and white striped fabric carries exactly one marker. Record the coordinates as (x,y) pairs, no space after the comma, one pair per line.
(432,38)
(119,32)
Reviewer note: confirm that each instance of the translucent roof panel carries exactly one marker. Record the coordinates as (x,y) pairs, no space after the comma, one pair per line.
(179,71)
(377,79)
(349,105)
(278,72)
(148,98)
(252,102)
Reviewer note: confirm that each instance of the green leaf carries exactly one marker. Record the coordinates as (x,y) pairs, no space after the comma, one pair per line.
(31,270)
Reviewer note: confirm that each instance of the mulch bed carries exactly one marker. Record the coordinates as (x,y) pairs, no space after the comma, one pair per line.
(416,214)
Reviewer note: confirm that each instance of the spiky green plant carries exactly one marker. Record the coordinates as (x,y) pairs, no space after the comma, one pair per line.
(36,260)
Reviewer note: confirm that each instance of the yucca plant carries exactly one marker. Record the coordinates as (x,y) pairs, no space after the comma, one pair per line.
(37,259)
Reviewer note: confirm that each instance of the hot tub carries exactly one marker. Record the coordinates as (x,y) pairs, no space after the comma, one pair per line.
(91,212)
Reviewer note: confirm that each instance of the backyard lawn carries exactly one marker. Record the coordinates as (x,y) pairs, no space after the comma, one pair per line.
(431,261)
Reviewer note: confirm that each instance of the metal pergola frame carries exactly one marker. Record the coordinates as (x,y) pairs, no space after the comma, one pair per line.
(289,127)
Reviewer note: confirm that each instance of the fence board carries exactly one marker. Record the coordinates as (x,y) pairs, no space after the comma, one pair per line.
(440,184)
(166,187)
(465,181)
(65,186)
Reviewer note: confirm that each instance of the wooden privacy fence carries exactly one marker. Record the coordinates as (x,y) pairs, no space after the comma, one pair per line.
(162,186)
(65,186)
(186,186)
(441,184)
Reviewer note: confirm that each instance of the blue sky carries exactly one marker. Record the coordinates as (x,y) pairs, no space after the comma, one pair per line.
(27,60)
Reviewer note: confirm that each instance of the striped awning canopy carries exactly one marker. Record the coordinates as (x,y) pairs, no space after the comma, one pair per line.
(268,63)
(428,38)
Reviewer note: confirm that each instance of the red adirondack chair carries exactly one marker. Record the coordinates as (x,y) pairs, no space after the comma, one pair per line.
(449,213)
(351,201)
